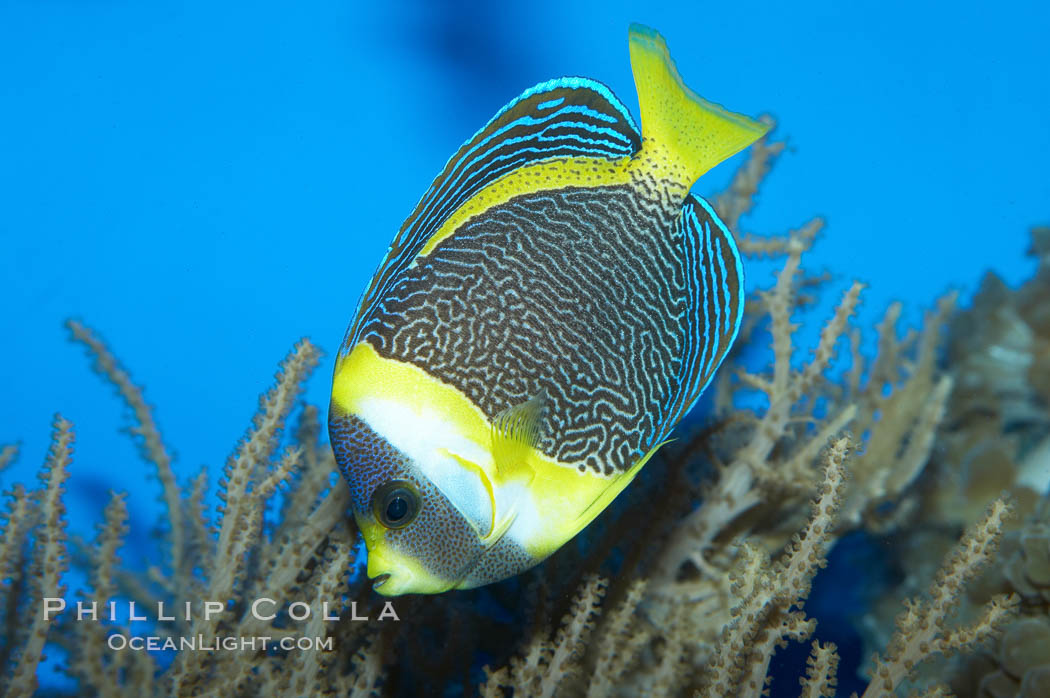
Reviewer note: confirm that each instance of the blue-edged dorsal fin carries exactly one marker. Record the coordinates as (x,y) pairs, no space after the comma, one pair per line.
(714,290)
(516,431)
(562,118)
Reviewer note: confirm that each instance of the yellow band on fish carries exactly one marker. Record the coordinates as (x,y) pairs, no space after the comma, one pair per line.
(550,506)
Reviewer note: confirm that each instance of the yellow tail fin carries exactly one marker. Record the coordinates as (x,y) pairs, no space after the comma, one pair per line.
(697,133)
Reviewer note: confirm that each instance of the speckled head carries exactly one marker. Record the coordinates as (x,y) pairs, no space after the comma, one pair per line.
(398,512)
(418,541)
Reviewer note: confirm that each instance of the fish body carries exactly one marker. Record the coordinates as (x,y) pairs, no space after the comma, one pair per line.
(551,309)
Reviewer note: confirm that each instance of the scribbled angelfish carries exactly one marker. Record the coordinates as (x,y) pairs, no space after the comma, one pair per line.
(551,309)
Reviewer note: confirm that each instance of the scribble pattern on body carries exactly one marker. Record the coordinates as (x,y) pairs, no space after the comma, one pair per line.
(557,292)
(545,317)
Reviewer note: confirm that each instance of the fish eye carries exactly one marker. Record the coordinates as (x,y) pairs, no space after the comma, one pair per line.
(395,504)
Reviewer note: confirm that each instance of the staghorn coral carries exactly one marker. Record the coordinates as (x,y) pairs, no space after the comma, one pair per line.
(679,599)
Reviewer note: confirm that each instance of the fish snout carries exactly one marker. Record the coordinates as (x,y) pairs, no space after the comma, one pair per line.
(383,573)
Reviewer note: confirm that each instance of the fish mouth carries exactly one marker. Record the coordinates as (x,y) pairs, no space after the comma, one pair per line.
(380,580)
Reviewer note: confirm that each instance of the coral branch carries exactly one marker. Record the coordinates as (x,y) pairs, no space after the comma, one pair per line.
(767,593)
(821,671)
(50,558)
(250,458)
(8,455)
(922,629)
(93,664)
(149,440)
(618,643)
(546,664)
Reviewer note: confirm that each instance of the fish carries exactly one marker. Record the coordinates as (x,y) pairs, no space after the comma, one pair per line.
(553,306)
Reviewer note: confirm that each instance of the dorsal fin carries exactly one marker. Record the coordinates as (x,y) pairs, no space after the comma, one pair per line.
(714,302)
(563,118)
(567,117)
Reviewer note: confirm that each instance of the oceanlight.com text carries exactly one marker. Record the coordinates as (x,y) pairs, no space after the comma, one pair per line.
(154,643)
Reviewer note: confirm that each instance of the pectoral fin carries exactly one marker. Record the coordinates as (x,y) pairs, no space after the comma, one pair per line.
(516,432)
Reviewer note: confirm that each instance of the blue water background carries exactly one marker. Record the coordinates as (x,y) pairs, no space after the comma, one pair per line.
(206,182)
